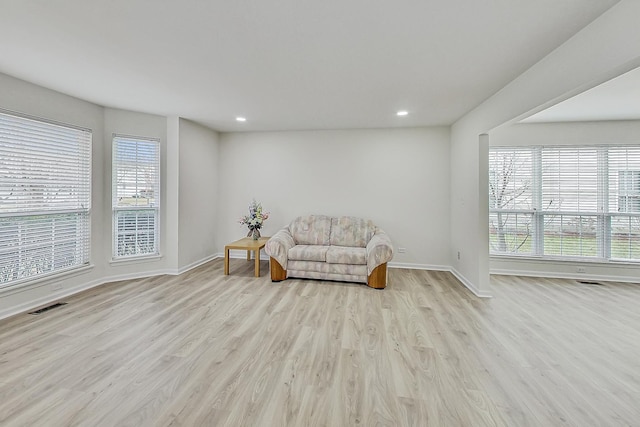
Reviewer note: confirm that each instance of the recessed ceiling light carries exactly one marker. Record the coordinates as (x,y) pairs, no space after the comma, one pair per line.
(402,113)
(241,119)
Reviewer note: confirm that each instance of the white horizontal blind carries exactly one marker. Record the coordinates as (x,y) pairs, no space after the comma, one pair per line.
(570,201)
(136,196)
(45,198)
(624,202)
(584,202)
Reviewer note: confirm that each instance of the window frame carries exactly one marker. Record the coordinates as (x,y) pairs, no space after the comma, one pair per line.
(152,211)
(599,219)
(47,177)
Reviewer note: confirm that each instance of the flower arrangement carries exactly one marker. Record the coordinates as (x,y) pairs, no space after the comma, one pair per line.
(255,219)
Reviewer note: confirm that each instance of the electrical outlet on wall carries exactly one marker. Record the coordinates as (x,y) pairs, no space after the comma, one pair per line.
(458,255)
(581,270)
(402,250)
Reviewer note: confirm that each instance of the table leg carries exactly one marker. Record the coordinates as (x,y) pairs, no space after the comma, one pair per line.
(257,267)
(226,261)
(248,255)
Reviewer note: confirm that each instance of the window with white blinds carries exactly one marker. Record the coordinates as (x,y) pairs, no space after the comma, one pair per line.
(511,200)
(565,202)
(45,198)
(136,197)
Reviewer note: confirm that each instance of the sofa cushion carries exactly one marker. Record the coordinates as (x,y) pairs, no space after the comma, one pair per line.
(351,231)
(346,255)
(308,253)
(311,230)
(325,267)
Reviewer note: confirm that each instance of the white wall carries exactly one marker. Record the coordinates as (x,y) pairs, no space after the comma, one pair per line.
(130,123)
(575,133)
(22,97)
(578,133)
(602,50)
(399,178)
(198,195)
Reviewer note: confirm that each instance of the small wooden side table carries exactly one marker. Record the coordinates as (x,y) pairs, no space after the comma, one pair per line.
(247,244)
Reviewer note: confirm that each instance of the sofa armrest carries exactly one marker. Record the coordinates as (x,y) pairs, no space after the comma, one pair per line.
(278,246)
(379,250)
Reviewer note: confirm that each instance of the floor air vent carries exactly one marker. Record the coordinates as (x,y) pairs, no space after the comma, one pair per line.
(47,308)
(587,282)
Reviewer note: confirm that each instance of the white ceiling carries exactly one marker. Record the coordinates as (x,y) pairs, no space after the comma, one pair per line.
(286,64)
(616,99)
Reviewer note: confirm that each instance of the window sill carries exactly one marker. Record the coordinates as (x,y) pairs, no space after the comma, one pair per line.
(534,259)
(135,260)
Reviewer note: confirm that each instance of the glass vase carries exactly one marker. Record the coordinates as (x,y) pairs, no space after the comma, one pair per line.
(254,233)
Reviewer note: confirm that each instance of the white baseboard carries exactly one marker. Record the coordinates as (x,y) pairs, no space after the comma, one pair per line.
(232,254)
(48,299)
(477,292)
(65,292)
(198,263)
(411,266)
(137,275)
(239,254)
(448,268)
(88,285)
(572,276)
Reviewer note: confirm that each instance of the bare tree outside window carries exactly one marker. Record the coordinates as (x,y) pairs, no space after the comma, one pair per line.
(510,188)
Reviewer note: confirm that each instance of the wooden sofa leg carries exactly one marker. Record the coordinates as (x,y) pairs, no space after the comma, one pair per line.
(277,272)
(378,277)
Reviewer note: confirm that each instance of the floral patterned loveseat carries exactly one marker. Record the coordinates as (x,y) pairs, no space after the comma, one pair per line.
(344,248)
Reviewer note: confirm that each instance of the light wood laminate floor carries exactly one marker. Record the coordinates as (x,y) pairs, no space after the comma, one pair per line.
(205,349)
